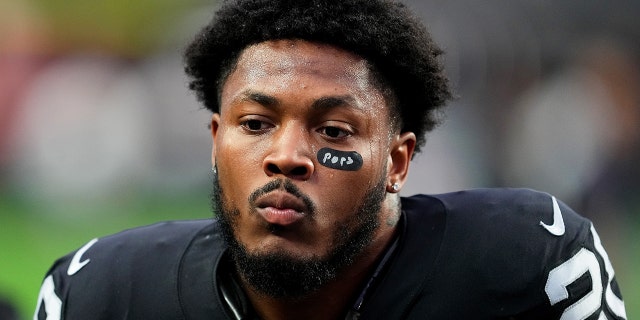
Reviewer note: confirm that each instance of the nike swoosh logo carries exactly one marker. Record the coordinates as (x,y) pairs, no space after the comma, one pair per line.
(557,228)
(76,264)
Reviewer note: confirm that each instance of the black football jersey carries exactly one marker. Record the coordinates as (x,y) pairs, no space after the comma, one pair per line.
(478,254)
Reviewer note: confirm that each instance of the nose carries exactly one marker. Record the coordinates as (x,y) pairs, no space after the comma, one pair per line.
(289,155)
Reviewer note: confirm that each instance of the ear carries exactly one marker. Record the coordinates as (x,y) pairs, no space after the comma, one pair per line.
(400,155)
(214,126)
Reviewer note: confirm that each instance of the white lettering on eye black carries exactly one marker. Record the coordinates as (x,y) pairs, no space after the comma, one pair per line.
(348,160)
(341,160)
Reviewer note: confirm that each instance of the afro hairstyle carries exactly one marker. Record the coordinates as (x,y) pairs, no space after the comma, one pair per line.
(385,33)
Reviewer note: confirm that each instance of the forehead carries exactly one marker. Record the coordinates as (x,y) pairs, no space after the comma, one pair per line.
(284,66)
(289,55)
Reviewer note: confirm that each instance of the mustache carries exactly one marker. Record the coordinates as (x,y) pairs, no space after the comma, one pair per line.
(288,186)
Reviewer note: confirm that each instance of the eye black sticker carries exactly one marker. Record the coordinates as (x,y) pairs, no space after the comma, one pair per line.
(341,160)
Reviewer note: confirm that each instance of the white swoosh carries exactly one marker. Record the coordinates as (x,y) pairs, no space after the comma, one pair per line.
(557,228)
(76,264)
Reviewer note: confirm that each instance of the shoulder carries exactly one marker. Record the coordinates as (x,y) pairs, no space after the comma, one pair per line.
(515,251)
(126,272)
(158,237)
(509,212)
(486,201)
(144,245)
(505,226)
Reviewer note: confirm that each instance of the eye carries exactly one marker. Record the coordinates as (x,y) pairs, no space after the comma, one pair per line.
(255,125)
(334,132)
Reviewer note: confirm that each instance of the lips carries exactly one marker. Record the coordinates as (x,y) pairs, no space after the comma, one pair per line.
(281,208)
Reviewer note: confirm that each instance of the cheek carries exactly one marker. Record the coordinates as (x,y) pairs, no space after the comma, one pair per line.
(238,167)
(237,155)
(344,189)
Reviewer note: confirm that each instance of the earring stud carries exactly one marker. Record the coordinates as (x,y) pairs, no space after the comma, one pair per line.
(395,187)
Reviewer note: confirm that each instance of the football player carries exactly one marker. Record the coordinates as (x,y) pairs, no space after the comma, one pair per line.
(318,107)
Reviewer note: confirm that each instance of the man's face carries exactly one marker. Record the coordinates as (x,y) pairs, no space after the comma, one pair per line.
(282,104)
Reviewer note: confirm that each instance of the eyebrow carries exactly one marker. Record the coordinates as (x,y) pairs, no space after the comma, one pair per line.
(260,98)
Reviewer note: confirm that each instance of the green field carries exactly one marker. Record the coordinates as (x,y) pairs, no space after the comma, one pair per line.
(30,241)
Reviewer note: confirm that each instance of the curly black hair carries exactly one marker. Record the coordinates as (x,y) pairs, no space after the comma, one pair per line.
(383,32)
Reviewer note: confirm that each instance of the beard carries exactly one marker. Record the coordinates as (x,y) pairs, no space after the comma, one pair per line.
(280,274)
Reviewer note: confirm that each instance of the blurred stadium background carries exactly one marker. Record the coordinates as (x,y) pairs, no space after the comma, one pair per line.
(99,133)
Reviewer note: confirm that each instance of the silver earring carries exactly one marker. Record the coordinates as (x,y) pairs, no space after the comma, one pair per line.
(214,169)
(395,187)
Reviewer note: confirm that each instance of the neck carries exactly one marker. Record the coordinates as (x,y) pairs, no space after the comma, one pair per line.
(330,302)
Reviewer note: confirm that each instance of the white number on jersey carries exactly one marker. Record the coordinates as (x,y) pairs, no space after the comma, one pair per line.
(571,270)
(52,303)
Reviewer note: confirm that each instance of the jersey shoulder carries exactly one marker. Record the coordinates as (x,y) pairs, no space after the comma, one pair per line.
(518,231)
(141,247)
(515,252)
(132,271)
(508,213)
